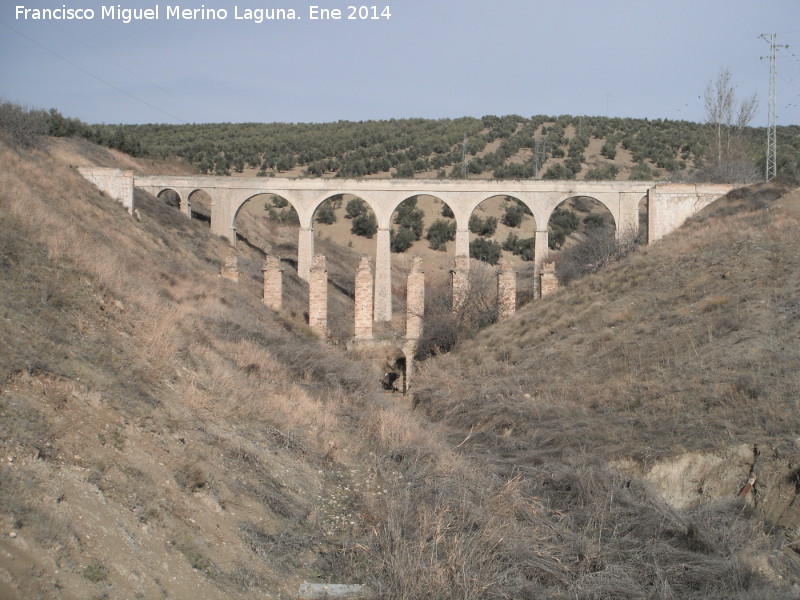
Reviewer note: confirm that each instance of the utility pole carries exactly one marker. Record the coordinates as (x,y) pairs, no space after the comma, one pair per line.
(772,140)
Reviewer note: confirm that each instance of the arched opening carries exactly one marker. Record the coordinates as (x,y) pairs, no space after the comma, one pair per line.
(644,220)
(171,198)
(423,225)
(394,377)
(502,227)
(575,218)
(265,224)
(581,237)
(200,204)
(349,220)
(268,224)
(345,228)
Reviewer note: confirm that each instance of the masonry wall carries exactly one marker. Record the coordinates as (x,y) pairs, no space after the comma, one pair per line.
(318,296)
(671,204)
(548,282)
(506,289)
(116,183)
(415,300)
(230,269)
(363,300)
(273,282)
(459,282)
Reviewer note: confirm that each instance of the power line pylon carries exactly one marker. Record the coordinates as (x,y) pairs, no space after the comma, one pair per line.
(772,140)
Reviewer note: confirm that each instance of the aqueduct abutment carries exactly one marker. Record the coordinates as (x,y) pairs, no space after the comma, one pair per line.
(669,205)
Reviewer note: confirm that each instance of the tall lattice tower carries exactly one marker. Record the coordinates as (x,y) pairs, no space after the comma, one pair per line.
(772,140)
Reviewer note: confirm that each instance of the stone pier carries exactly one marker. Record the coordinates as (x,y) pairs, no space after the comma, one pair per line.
(459,281)
(415,313)
(383,275)
(318,296)
(363,300)
(415,300)
(273,282)
(548,282)
(506,289)
(231,269)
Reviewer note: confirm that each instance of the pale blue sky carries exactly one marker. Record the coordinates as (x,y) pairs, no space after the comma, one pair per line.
(433,58)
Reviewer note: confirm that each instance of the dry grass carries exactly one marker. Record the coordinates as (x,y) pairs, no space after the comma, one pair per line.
(223,453)
(647,358)
(174,390)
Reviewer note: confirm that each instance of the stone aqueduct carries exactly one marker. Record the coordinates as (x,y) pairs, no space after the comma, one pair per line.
(669,205)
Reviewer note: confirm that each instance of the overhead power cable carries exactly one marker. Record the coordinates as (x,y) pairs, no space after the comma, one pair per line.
(93,76)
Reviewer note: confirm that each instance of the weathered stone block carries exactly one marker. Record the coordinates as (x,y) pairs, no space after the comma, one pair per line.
(231,269)
(318,296)
(116,183)
(548,282)
(415,300)
(273,282)
(506,289)
(363,300)
(318,591)
(459,281)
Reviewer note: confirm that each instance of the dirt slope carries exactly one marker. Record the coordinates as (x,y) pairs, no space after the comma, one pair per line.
(678,364)
(150,446)
(164,435)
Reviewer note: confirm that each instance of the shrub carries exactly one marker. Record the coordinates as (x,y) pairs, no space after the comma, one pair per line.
(593,221)
(511,242)
(513,215)
(642,172)
(286,216)
(410,217)
(441,232)
(25,127)
(608,172)
(525,248)
(365,225)
(444,327)
(485,250)
(522,247)
(483,227)
(558,172)
(598,248)
(562,222)
(609,149)
(354,208)
(326,214)
(448,212)
(401,239)
(404,171)
(279,202)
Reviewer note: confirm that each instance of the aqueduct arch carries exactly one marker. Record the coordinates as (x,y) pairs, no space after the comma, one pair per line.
(581,207)
(668,205)
(511,216)
(260,207)
(171,197)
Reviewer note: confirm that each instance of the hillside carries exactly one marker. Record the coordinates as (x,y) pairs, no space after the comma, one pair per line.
(164,435)
(499,147)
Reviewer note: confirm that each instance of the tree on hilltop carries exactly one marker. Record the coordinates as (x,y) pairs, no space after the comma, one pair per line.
(721,106)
